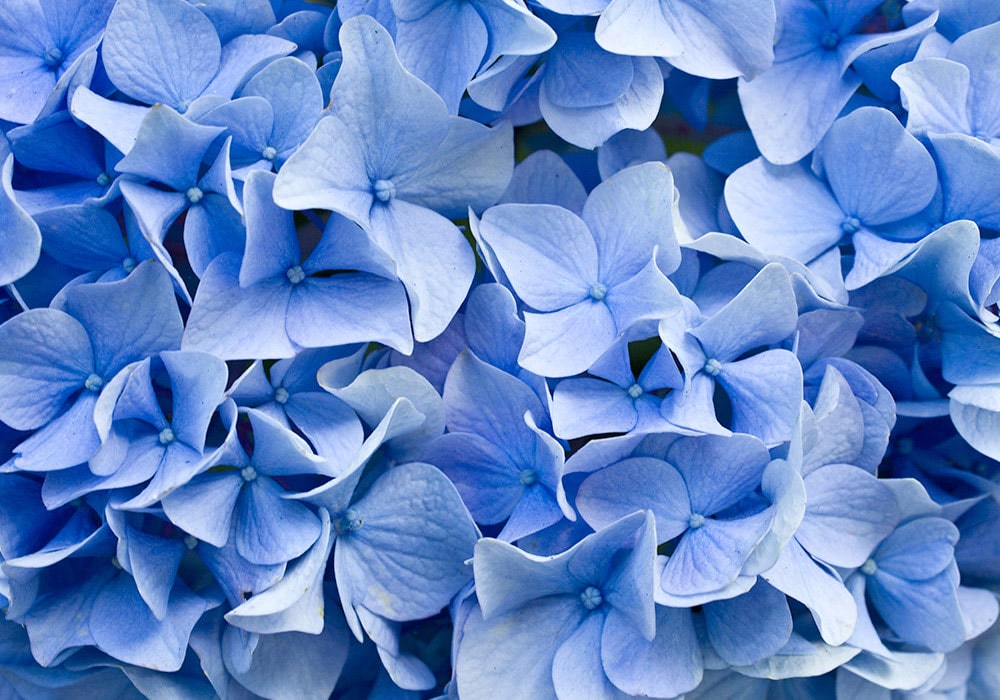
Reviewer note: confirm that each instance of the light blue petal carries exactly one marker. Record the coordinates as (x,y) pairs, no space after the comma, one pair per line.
(408,556)
(567,342)
(784,211)
(630,214)
(470,169)
(152,65)
(576,672)
(639,483)
(353,307)
(272,248)
(217,323)
(545,178)
(169,148)
(444,48)
(20,238)
(935,93)
(295,603)
(589,127)
(939,625)
(751,627)
(433,261)
(588,406)
(270,529)
(304,665)
(295,97)
(560,252)
(718,471)
(667,666)
(812,90)
(711,556)
(764,392)
(860,183)
(124,627)
(204,506)
(515,651)
(848,513)
(821,590)
(47,357)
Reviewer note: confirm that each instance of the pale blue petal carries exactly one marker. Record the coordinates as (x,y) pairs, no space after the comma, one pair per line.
(751,627)
(547,252)
(567,342)
(20,238)
(631,214)
(819,589)
(848,513)
(640,483)
(667,666)
(784,211)
(433,261)
(47,357)
(153,65)
(217,323)
(409,554)
(270,529)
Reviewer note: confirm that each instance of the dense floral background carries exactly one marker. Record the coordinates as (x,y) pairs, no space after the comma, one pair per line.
(575,349)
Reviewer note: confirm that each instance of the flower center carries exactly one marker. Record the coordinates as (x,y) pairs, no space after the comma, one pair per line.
(128,264)
(528,477)
(591,598)
(350,521)
(281,395)
(830,40)
(869,567)
(94,383)
(635,391)
(597,291)
(295,274)
(850,225)
(103,179)
(712,367)
(190,541)
(167,436)
(696,520)
(248,473)
(53,57)
(269,153)
(194,194)
(384,190)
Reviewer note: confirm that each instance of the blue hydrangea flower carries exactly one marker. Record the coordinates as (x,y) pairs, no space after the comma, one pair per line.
(811,78)
(399,177)
(571,623)
(59,359)
(294,302)
(505,466)
(588,279)
(41,48)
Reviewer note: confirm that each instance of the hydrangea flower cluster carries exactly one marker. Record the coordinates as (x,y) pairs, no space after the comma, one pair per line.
(378,349)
